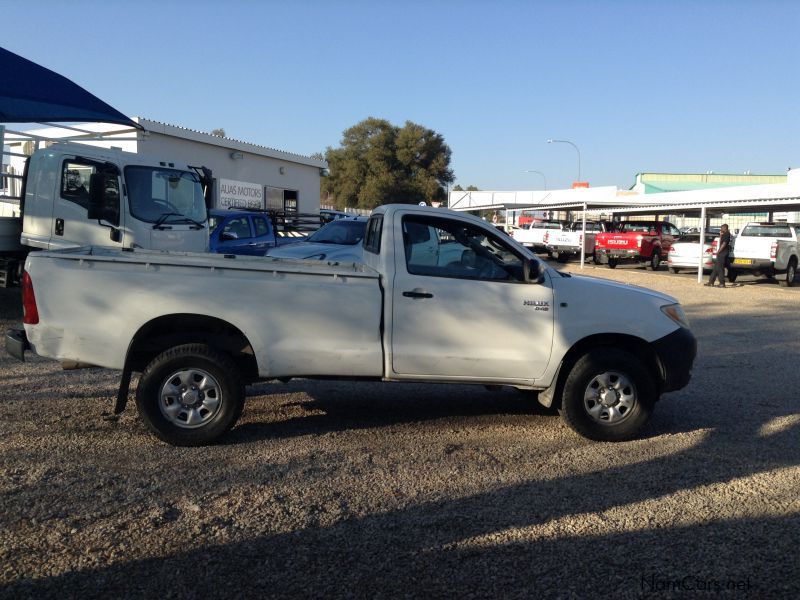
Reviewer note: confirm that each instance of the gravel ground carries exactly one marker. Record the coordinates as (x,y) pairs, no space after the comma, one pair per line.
(329,489)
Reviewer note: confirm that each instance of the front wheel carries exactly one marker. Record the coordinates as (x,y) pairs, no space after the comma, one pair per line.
(612,263)
(608,395)
(190,395)
(791,272)
(675,270)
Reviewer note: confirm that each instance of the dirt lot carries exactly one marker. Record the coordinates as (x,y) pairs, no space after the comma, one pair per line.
(372,490)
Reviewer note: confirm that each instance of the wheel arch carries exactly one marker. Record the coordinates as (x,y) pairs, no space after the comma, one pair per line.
(167,331)
(630,343)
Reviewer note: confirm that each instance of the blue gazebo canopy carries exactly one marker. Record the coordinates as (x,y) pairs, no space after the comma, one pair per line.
(29,93)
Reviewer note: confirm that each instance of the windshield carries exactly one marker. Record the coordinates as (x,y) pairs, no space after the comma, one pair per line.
(348,233)
(159,195)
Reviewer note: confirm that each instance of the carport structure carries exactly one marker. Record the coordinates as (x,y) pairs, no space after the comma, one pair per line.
(705,204)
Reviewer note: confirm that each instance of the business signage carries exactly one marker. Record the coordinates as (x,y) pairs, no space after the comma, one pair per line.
(240,194)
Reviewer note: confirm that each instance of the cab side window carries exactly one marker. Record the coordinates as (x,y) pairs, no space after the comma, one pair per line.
(236,229)
(438,247)
(261,226)
(75,177)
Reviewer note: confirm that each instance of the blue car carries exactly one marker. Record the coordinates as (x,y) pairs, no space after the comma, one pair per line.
(240,232)
(339,240)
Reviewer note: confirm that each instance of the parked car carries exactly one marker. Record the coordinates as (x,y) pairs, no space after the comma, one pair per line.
(532,236)
(646,242)
(569,242)
(766,249)
(685,252)
(326,215)
(242,232)
(198,328)
(339,240)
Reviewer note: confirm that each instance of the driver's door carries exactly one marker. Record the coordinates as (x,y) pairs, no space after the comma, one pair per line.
(461,308)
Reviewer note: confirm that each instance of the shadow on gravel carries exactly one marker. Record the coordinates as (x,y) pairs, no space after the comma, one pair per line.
(427,549)
(469,546)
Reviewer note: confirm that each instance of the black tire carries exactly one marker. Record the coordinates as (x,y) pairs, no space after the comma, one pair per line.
(184,364)
(627,377)
(791,273)
(612,263)
(655,260)
(675,270)
(732,274)
(561,257)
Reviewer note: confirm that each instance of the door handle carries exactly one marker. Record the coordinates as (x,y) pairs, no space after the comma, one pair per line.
(417,294)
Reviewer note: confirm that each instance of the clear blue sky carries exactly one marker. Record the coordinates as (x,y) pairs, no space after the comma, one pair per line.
(679,86)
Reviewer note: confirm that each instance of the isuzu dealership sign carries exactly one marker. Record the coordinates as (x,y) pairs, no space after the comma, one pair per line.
(240,194)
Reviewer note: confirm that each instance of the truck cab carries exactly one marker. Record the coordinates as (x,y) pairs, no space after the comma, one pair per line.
(79,195)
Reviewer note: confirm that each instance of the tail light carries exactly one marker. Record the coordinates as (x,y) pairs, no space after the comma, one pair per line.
(30,314)
(714,247)
(639,238)
(546,236)
(773,251)
(580,239)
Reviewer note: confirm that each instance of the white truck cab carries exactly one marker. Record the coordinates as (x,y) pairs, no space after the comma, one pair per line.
(78,195)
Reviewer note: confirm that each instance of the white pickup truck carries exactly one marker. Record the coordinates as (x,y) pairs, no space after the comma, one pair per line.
(767,249)
(570,241)
(533,235)
(440,297)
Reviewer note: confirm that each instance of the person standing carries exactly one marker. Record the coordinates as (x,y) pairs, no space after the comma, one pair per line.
(723,250)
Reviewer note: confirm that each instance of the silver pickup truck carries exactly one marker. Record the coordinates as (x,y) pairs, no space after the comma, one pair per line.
(441,297)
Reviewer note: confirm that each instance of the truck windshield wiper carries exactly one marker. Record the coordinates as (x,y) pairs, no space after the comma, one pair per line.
(159,224)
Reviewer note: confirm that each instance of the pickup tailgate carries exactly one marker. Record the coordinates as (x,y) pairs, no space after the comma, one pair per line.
(623,241)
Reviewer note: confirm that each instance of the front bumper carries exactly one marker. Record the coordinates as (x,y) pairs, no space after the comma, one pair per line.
(17,343)
(676,353)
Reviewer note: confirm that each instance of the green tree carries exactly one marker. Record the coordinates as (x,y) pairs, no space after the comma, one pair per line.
(379,163)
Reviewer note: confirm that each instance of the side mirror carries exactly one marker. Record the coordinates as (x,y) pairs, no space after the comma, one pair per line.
(530,270)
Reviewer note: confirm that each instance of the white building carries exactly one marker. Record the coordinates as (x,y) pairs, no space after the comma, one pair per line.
(245,174)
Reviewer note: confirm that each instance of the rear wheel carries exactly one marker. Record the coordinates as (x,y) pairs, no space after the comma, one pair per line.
(675,270)
(190,395)
(791,273)
(612,263)
(608,395)
(561,257)
(655,260)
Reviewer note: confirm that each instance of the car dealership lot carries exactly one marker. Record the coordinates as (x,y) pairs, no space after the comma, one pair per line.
(334,489)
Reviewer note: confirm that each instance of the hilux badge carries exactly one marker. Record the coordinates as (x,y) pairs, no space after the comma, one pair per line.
(539,304)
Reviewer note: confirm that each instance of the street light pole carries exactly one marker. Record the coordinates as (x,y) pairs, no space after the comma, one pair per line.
(538,173)
(576,150)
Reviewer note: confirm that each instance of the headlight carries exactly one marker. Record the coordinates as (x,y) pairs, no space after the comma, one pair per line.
(675,312)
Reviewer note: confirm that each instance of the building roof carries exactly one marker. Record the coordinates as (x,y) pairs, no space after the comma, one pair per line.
(226,142)
(653,183)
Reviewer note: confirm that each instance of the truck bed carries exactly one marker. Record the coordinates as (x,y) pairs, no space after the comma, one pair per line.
(338,306)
